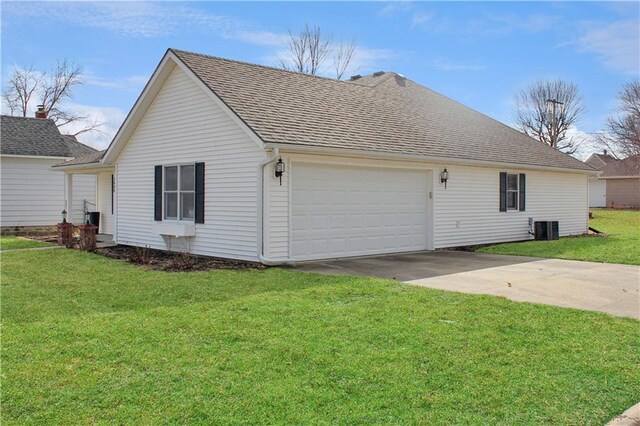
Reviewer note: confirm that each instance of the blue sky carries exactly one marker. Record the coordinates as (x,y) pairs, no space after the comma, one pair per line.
(478,53)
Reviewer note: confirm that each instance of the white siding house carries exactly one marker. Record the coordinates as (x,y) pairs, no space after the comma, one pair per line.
(195,168)
(32,195)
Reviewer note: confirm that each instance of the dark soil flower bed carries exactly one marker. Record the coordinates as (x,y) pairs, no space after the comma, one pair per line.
(173,262)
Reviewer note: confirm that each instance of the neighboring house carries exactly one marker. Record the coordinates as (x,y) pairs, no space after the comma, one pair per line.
(32,195)
(197,167)
(598,187)
(622,179)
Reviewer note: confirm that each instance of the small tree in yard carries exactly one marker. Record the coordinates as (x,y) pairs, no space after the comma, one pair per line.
(546,110)
(50,89)
(622,131)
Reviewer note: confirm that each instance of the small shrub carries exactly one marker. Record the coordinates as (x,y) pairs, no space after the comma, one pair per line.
(141,256)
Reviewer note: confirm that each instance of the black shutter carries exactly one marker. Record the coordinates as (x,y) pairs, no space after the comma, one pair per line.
(157,194)
(503,191)
(522,191)
(199,192)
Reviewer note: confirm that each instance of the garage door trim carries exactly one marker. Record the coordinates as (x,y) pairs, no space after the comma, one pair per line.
(295,164)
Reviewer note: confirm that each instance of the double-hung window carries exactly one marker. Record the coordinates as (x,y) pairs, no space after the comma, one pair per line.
(512,191)
(179,192)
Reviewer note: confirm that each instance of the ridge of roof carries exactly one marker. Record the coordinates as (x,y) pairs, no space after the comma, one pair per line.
(179,51)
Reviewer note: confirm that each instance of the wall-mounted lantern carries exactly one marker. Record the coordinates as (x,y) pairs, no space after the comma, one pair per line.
(64,216)
(444,177)
(280,169)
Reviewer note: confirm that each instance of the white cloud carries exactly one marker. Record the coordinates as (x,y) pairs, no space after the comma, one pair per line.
(421,19)
(137,19)
(133,83)
(110,119)
(394,7)
(261,38)
(587,143)
(617,45)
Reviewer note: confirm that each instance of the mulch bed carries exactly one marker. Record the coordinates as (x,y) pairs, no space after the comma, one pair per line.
(173,262)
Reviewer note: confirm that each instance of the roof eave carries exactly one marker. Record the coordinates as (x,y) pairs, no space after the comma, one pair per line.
(309,149)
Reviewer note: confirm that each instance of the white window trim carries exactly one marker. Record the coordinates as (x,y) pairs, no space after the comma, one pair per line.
(177,219)
(517,192)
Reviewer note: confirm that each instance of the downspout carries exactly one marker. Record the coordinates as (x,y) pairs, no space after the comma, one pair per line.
(261,258)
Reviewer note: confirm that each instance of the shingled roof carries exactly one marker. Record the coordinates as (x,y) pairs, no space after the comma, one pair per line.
(37,137)
(385,113)
(598,161)
(627,167)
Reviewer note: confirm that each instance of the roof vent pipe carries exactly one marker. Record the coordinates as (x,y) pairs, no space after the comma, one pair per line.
(40,112)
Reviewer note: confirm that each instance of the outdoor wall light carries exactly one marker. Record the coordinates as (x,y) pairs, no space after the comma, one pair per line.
(280,169)
(64,216)
(444,177)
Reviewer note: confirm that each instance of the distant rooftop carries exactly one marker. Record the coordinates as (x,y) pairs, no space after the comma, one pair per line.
(37,137)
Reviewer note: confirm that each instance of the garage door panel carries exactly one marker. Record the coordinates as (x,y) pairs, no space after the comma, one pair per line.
(350,211)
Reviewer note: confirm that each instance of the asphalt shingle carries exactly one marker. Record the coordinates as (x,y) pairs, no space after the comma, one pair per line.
(384,113)
(38,137)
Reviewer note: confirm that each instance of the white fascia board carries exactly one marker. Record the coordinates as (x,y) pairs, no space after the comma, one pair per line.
(219,102)
(417,158)
(618,177)
(88,168)
(151,89)
(38,157)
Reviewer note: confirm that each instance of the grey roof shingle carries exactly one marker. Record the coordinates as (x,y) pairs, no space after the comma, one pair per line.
(598,161)
(629,166)
(91,158)
(387,113)
(37,136)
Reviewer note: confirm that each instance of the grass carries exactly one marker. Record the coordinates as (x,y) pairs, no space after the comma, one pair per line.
(622,244)
(94,340)
(8,242)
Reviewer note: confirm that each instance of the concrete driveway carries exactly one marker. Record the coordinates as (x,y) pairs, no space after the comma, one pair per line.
(605,287)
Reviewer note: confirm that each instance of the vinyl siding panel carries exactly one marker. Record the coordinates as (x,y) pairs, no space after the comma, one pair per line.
(182,126)
(467,212)
(277,212)
(104,203)
(623,192)
(31,194)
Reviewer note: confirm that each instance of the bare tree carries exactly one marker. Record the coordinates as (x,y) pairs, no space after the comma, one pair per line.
(622,130)
(546,110)
(48,89)
(20,89)
(308,50)
(342,57)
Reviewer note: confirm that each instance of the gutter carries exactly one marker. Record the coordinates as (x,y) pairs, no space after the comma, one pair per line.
(345,152)
(270,262)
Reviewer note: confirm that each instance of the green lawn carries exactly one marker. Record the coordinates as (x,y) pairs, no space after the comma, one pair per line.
(622,244)
(88,339)
(8,242)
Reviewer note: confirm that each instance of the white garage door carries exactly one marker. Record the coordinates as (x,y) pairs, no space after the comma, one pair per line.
(340,211)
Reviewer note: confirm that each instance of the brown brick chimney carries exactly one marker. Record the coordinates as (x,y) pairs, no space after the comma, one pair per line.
(41,113)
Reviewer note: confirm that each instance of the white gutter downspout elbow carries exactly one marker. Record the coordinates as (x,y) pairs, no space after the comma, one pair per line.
(261,258)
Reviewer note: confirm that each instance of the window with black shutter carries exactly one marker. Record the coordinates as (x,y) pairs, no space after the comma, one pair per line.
(512,191)
(179,193)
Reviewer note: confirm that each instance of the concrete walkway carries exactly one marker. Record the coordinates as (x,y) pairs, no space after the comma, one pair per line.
(631,417)
(610,288)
